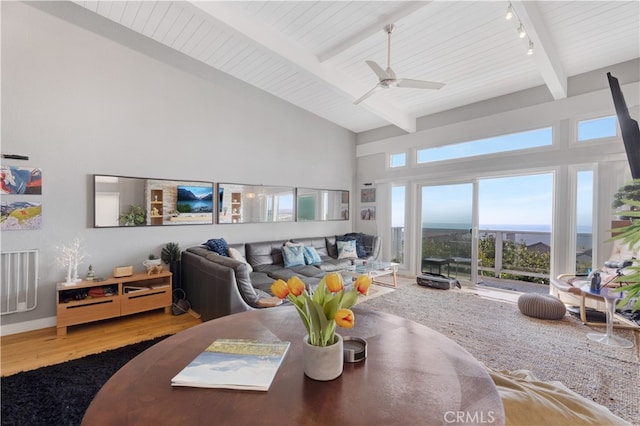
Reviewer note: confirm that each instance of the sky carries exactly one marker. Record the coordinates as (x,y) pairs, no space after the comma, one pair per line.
(513,200)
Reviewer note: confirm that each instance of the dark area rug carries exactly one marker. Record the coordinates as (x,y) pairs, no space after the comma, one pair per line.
(60,394)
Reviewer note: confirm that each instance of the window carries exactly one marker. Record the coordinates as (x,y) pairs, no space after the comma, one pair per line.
(504,143)
(398,160)
(515,217)
(584,219)
(397,223)
(597,128)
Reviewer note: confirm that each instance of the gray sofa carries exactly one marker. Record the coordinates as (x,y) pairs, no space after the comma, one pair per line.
(217,285)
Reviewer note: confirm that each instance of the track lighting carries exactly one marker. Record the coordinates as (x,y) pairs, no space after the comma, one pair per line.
(521,32)
(509,14)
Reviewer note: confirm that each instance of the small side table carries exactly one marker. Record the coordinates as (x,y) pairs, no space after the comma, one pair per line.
(435,261)
(610,299)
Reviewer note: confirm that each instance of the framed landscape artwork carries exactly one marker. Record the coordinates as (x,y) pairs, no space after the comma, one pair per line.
(368,195)
(20,215)
(368,213)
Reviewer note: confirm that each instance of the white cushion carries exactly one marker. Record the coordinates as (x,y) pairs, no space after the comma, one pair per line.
(235,254)
(529,401)
(347,249)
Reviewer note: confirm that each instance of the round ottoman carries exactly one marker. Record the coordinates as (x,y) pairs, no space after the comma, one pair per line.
(543,306)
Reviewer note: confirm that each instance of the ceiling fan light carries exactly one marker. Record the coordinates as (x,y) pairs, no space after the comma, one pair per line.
(530,50)
(521,32)
(509,14)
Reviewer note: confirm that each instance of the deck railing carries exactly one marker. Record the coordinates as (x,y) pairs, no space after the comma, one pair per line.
(523,255)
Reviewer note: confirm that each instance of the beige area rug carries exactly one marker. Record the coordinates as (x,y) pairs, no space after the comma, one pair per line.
(384,285)
(374,291)
(498,335)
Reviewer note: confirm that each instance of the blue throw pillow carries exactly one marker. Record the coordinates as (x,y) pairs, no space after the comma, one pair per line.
(218,245)
(293,256)
(311,256)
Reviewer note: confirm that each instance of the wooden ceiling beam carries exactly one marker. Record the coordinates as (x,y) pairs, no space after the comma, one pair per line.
(372,30)
(545,53)
(258,34)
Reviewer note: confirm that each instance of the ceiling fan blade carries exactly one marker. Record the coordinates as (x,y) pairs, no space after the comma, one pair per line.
(377,69)
(366,95)
(418,84)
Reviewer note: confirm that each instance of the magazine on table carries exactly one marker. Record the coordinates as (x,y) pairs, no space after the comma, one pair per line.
(234,364)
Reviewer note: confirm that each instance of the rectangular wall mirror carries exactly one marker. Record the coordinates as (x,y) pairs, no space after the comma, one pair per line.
(133,201)
(254,203)
(322,204)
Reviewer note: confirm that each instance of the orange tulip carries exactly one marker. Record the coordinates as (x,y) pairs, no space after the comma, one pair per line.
(362,284)
(279,289)
(344,318)
(334,282)
(296,286)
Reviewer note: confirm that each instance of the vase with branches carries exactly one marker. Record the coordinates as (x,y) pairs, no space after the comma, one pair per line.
(69,256)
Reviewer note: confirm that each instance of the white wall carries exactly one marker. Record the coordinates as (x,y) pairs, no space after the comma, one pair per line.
(589,97)
(83,96)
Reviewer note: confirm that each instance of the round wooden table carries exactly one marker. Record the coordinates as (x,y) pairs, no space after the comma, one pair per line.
(412,376)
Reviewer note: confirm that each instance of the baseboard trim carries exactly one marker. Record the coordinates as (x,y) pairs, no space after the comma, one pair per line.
(21,327)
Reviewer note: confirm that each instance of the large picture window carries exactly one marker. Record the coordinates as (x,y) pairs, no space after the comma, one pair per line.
(398,209)
(584,220)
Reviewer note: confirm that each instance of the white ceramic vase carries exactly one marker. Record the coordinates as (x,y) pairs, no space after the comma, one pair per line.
(322,363)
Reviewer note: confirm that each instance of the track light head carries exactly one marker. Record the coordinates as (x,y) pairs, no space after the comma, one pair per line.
(509,14)
(530,50)
(521,32)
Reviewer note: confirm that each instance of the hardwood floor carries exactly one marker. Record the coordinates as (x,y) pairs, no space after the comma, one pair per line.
(38,348)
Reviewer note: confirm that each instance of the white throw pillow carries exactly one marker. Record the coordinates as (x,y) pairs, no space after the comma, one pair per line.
(235,254)
(347,249)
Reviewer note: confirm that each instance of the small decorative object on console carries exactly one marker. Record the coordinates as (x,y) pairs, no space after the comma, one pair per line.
(122,271)
(153,264)
(69,257)
(90,274)
(156,269)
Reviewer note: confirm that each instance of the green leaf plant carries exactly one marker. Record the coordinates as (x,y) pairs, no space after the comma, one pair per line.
(630,234)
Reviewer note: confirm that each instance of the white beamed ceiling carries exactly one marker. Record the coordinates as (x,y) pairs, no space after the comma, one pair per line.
(312,53)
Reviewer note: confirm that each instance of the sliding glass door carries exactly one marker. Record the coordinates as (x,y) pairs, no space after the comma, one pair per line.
(447,238)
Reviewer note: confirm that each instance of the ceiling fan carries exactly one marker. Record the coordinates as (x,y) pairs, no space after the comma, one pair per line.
(388,78)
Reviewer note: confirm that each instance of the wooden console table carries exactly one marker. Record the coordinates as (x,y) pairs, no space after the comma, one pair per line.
(88,301)
(412,376)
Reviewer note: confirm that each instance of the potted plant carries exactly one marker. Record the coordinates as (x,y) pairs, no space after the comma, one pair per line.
(627,192)
(630,234)
(171,255)
(135,216)
(320,313)
(152,261)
